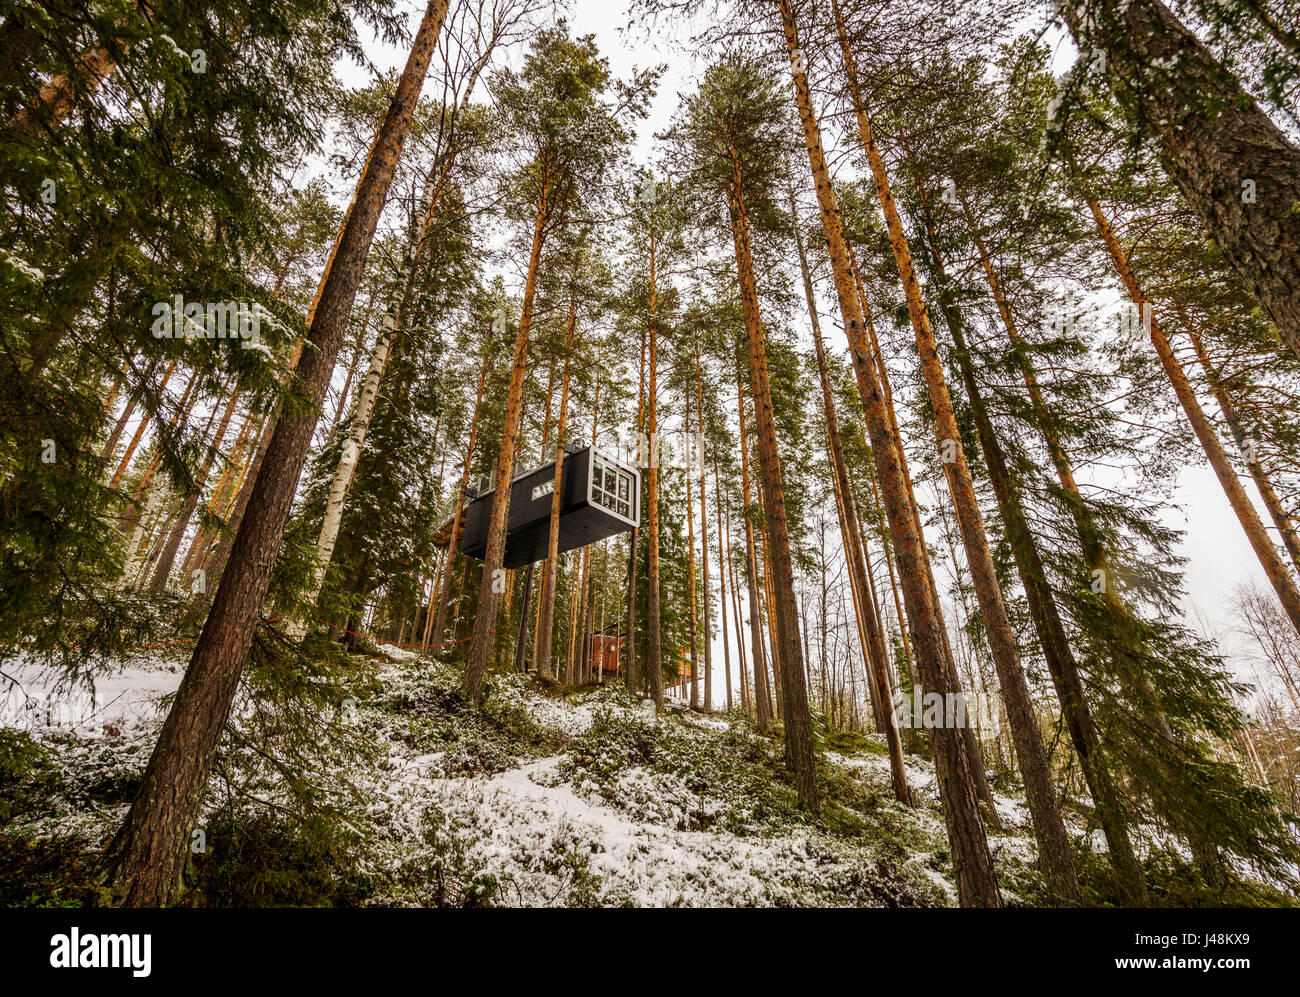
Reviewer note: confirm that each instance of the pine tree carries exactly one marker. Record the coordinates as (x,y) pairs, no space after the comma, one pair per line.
(149,852)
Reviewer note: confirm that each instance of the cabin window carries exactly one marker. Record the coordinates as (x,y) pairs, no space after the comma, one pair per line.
(611,488)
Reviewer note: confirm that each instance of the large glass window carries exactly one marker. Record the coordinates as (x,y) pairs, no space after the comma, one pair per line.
(611,487)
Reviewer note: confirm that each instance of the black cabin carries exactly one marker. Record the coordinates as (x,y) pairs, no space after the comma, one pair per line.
(599,498)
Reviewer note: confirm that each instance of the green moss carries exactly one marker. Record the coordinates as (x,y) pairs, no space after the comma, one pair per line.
(1172,881)
(852,742)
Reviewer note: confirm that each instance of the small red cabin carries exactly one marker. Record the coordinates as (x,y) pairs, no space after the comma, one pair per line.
(606,652)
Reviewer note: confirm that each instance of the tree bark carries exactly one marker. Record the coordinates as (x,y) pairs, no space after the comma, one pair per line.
(546,621)
(690,565)
(481,647)
(1061,664)
(654,649)
(1049,829)
(762,710)
(148,855)
(722,589)
(440,621)
(629,669)
(391,326)
(794,694)
(972,863)
(872,639)
(1214,139)
(1276,510)
(704,538)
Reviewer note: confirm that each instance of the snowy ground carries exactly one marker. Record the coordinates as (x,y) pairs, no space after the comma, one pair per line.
(546,801)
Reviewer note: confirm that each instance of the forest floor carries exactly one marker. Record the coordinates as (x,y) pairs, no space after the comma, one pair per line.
(542,798)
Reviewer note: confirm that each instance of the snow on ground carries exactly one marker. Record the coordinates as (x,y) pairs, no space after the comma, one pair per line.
(569,814)
(549,835)
(517,813)
(398,653)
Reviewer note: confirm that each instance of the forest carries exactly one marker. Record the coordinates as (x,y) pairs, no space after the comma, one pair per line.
(659,453)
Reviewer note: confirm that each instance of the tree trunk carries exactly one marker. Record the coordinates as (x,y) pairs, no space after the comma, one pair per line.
(59,96)
(873,643)
(654,650)
(722,589)
(1283,582)
(970,738)
(391,326)
(704,538)
(490,586)
(972,863)
(440,621)
(690,563)
(736,616)
(1276,510)
(546,621)
(1236,169)
(149,853)
(794,694)
(629,668)
(522,635)
(1049,829)
(1136,683)
(1061,663)
(762,711)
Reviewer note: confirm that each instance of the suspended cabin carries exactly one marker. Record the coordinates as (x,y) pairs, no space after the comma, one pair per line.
(599,498)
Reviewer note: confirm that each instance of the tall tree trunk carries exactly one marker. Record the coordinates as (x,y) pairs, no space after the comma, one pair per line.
(149,853)
(736,616)
(59,97)
(690,562)
(457,516)
(1135,682)
(521,636)
(1268,494)
(654,649)
(762,710)
(629,669)
(490,586)
(873,643)
(972,863)
(722,589)
(1061,664)
(1236,169)
(221,496)
(131,521)
(546,621)
(969,736)
(794,694)
(704,538)
(1049,828)
(391,326)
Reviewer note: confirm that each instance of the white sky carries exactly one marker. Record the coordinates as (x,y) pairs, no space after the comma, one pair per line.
(1219,556)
